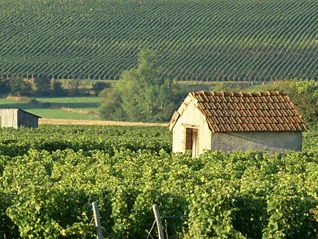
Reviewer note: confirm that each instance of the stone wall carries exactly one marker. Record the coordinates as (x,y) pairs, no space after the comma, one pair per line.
(271,141)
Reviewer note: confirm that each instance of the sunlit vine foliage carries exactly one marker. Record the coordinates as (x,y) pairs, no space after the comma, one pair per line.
(50,176)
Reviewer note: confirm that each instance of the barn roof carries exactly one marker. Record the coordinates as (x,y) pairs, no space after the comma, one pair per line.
(244,112)
(18,109)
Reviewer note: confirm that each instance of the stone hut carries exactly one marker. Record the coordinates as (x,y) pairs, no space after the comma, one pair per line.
(236,121)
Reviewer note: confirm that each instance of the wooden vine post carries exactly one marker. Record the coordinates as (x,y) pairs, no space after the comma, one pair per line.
(158,221)
(97,220)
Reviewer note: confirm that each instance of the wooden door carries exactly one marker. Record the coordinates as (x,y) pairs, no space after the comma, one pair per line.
(192,141)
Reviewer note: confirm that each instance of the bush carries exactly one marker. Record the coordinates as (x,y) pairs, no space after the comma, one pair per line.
(99,86)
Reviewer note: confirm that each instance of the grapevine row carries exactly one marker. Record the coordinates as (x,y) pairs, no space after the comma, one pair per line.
(49,177)
(203,40)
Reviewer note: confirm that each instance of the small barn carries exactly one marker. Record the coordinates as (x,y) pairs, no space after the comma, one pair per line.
(236,121)
(16,118)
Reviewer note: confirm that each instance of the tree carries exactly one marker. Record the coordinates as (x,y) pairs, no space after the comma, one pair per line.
(4,86)
(19,86)
(99,86)
(144,95)
(110,105)
(73,87)
(43,85)
(58,89)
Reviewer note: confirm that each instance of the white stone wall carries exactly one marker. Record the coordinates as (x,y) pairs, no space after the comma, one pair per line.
(9,118)
(191,118)
(271,141)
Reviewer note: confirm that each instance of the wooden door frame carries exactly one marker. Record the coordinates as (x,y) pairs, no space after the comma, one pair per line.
(191,139)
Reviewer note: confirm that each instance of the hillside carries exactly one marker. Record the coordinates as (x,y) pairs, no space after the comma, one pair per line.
(195,39)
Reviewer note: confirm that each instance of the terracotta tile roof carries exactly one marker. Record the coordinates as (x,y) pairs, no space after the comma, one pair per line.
(244,112)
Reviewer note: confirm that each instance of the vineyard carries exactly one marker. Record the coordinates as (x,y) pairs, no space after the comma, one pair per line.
(50,176)
(207,40)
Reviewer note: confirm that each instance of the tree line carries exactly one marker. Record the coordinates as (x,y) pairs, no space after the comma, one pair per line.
(43,85)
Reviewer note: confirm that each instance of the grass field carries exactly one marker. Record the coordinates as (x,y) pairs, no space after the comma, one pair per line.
(84,103)
(81,108)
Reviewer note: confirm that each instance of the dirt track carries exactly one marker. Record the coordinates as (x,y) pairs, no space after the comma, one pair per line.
(43,121)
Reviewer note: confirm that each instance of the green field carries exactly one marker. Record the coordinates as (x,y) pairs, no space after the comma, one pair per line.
(207,40)
(81,108)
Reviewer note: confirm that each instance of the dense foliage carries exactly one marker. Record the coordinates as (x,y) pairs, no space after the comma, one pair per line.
(50,176)
(141,94)
(40,86)
(197,40)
